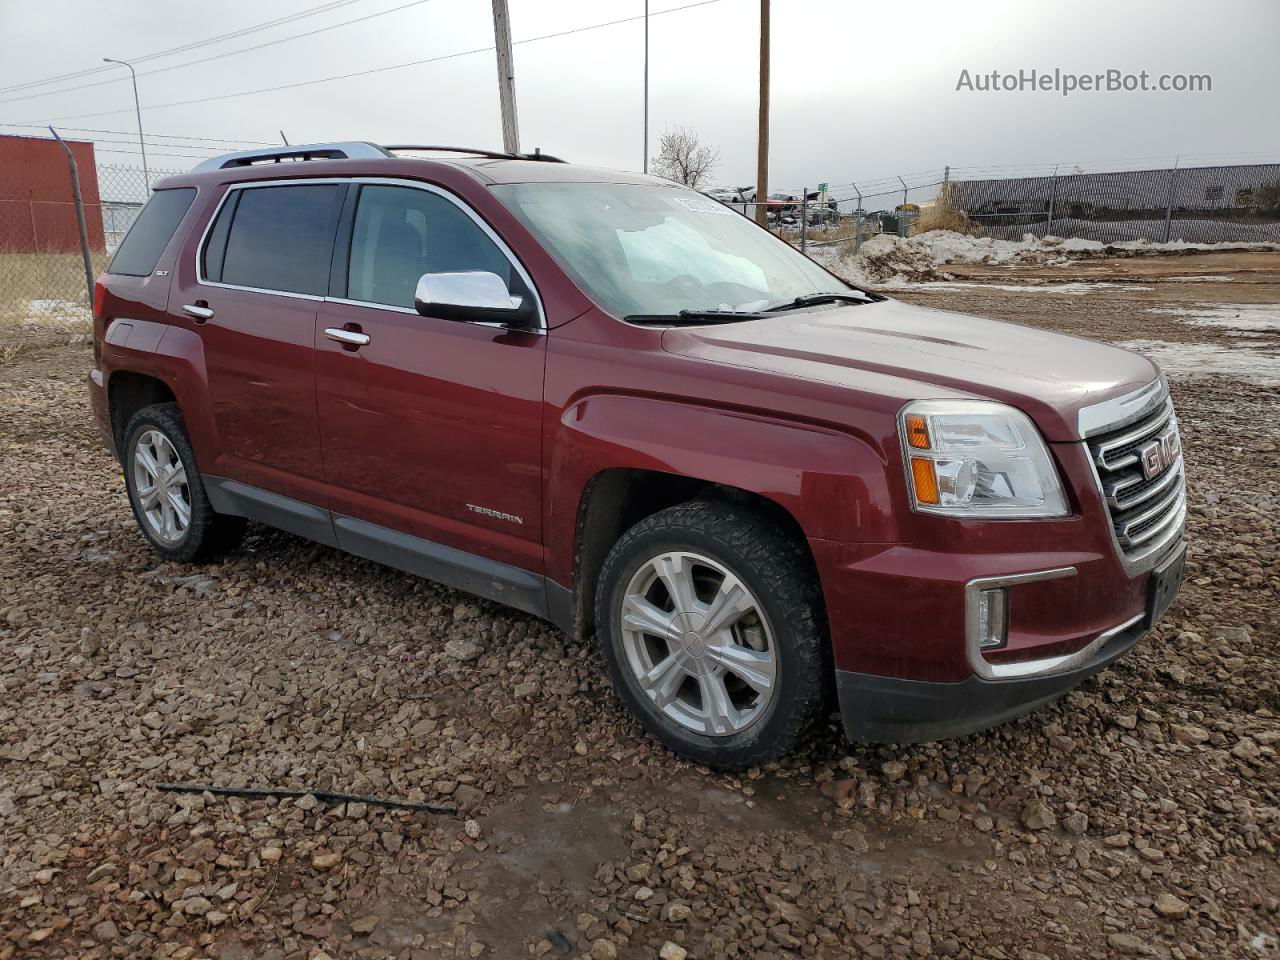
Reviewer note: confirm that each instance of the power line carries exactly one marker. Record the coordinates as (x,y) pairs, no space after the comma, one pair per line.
(310,12)
(394,66)
(150,136)
(218,56)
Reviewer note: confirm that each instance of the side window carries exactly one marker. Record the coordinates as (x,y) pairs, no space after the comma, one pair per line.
(400,233)
(279,238)
(151,232)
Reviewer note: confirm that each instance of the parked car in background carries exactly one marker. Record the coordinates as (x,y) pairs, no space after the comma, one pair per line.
(611,402)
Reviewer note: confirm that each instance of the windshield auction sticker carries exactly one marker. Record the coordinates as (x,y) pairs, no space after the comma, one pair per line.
(702,205)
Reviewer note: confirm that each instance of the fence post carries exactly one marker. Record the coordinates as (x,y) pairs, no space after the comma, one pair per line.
(84,228)
(857,222)
(804,219)
(1168,207)
(1053,199)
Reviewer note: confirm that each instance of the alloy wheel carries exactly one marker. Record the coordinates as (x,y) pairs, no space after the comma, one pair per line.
(160,484)
(699,643)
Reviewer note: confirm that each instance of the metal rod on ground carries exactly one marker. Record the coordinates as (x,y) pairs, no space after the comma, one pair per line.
(137,107)
(762,147)
(804,219)
(325,795)
(645,167)
(506,77)
(1168,209)
(80,220)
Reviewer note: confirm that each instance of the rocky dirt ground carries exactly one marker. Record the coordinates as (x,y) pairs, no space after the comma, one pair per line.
(1138,816)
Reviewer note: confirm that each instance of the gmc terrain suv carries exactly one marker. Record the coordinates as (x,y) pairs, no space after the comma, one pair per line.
(619,405)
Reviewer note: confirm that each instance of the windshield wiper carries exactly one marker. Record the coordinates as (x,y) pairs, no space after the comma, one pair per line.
(696,317)
(815,299)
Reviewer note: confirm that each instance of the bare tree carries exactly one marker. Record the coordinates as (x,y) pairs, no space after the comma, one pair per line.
(684,158)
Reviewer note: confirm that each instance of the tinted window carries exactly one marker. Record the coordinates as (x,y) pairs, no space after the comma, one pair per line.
(151,232)
(281,238)
(401,233)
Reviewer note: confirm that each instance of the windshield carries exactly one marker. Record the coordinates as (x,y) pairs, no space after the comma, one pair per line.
(644,250)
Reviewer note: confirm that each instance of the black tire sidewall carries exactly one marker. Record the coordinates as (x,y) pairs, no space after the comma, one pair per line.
(166,419)
(796,634)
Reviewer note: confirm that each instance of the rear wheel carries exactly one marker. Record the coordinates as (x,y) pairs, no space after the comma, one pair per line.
(166,492)
(712,628)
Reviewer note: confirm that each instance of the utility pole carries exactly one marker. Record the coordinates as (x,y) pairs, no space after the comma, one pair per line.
(645,166)
(762,157)
(137,107)
(506,77)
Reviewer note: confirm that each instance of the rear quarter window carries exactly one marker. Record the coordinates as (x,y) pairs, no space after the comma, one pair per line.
(151,232)
(280,238)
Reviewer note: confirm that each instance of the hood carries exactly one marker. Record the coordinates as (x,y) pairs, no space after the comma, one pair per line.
(934,353)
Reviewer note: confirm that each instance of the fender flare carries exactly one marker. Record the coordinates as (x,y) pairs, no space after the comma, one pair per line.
(833,482)
(175,357)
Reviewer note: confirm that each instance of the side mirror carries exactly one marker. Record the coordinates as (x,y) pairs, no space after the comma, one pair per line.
(472,295)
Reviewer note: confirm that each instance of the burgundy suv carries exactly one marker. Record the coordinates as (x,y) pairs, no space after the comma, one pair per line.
(619,405)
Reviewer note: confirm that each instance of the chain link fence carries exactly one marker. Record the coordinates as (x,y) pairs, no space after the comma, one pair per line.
(43,299)
(1191,204)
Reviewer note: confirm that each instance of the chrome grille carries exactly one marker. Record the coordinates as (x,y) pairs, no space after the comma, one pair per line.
(1145,512)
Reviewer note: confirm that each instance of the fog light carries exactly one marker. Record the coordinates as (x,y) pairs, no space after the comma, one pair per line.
(993,619)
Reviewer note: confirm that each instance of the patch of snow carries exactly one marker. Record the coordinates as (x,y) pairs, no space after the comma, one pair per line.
(1263,318)
(1075,288)
(886,256)
(1212,359)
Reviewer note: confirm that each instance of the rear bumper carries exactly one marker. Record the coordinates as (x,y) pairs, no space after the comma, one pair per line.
(879,709)
(101,411)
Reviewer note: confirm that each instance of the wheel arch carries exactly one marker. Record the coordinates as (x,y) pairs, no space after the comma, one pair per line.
(129,391)
(617,498)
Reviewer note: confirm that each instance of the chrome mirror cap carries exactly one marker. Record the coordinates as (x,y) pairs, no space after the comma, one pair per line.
(475,295)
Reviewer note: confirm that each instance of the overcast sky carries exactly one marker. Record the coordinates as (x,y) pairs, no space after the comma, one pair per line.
(861,90)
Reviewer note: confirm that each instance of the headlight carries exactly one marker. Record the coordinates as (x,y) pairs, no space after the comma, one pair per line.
(975,458)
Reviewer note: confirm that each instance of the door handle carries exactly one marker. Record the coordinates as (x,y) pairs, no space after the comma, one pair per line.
(348,338)
(199,311)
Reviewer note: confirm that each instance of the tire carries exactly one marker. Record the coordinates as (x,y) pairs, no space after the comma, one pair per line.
(157,432)
(785,619)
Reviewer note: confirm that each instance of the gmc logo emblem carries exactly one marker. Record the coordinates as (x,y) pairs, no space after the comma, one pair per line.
(1161,453)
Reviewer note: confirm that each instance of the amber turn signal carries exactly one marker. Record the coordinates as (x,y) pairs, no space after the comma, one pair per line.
(925,479)
(917,432)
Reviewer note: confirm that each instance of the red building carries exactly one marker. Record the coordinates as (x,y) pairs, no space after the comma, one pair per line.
(37,212)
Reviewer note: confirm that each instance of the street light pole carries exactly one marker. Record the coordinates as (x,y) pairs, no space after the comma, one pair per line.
(762,146)
(146,175)
(645,164)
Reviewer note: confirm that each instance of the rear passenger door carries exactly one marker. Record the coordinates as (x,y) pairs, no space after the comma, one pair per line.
(432,426)
(262,272)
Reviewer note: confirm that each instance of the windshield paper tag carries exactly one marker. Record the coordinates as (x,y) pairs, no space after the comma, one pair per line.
(702,205)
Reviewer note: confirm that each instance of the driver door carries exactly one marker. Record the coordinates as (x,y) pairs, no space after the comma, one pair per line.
(429,427)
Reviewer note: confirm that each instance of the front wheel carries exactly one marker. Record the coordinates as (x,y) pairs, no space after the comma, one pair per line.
(712,626)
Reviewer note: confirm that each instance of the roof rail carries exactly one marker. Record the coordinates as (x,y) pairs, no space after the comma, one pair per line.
(351,150)
(478,152)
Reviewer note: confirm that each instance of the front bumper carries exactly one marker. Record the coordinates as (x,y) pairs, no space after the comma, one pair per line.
(886,709)
(878,709)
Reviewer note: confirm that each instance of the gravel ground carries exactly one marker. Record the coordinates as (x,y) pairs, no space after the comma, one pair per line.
(1138,816)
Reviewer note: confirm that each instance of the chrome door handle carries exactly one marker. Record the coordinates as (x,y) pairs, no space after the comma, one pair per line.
(198,312)
(348,337)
